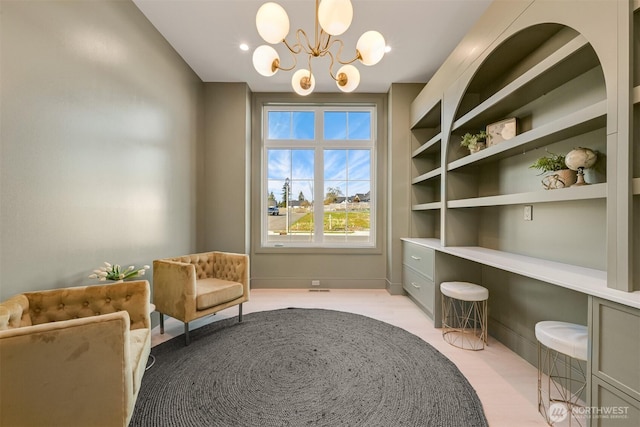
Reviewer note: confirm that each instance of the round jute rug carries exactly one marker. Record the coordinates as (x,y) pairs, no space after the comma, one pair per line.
(304,367)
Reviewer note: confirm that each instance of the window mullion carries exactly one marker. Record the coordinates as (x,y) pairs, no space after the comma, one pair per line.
(318,205)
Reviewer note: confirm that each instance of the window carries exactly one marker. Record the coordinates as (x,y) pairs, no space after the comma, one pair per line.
(318,176)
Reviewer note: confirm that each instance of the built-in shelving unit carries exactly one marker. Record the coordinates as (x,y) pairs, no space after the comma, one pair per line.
(426,171)
(487,215)
(554,87)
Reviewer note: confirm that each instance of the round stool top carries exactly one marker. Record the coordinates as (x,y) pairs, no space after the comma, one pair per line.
(464,291)
(567,338)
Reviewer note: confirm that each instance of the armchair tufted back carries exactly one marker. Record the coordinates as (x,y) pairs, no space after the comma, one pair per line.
(232,267)
(203,263)
(34,308)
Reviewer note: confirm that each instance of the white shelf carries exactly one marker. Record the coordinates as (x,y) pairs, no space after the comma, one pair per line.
(636,186)
(429,146)
(431,116)
(594,191)
(427,206)
(533,73)
(579,122)
(427,176)
(585,280)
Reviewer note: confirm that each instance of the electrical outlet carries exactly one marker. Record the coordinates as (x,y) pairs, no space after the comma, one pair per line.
(528,213)
(315,283)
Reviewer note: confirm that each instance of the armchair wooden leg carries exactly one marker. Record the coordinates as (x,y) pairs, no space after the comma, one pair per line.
(240,313)
(186,334)
(161,323)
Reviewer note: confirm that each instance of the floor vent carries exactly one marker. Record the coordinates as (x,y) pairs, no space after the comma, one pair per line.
(318,290)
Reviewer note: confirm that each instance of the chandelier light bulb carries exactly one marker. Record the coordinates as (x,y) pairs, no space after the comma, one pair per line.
(335,16)
(371,47)
(348,78)
(266,60)
(303,82)
(272,22)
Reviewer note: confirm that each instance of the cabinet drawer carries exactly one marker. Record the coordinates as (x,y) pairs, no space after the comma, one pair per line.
(420,288)
(616,345)
(419,258)
(616,409)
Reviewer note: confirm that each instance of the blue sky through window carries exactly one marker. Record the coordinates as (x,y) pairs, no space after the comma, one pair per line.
(348,170)
(291,125)
(353,125)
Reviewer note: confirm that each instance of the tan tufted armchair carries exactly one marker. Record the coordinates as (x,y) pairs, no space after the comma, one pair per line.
(193,286)
(73,356)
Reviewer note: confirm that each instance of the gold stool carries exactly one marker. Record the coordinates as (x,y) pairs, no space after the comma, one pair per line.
(562,349)
(464,314)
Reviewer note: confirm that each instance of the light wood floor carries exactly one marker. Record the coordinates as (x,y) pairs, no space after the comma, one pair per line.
(505,383)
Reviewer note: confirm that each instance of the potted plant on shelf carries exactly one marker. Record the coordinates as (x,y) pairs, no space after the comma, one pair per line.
(474,141)
(559,175)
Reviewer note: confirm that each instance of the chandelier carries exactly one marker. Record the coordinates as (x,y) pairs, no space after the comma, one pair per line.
(332,18)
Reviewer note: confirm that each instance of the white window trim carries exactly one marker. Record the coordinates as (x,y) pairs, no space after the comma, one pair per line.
(319,145)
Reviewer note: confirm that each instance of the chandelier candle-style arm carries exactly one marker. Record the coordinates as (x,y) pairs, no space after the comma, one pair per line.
(332,18)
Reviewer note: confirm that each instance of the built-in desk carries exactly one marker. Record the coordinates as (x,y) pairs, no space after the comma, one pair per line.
(613,318)
(586,280)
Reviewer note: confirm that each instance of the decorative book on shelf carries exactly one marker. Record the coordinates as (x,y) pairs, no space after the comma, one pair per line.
(501,131)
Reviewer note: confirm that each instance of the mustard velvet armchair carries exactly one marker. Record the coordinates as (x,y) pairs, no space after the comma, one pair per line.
(74,356)
(193,286)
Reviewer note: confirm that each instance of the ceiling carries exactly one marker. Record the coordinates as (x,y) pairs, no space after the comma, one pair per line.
(207,35)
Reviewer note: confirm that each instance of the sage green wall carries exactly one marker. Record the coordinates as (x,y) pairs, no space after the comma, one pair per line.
(399,187)
(224,180)
(517,303)
(100,127)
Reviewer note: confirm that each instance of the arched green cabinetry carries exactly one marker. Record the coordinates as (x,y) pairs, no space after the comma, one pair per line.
(570,80)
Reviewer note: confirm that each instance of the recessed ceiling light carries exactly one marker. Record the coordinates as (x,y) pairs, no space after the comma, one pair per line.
(244,46)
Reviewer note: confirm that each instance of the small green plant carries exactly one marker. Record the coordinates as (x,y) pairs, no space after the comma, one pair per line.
(471,140)
(552,162)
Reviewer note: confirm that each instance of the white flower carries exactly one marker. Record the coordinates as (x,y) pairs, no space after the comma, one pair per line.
(115,272)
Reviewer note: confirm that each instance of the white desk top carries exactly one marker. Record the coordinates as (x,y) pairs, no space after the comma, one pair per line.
(586,280)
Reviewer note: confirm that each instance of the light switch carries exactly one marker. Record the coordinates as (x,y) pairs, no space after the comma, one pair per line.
(528,213)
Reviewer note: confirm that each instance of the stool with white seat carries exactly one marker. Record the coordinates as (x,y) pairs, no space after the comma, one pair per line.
(562,352)
(464,314)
